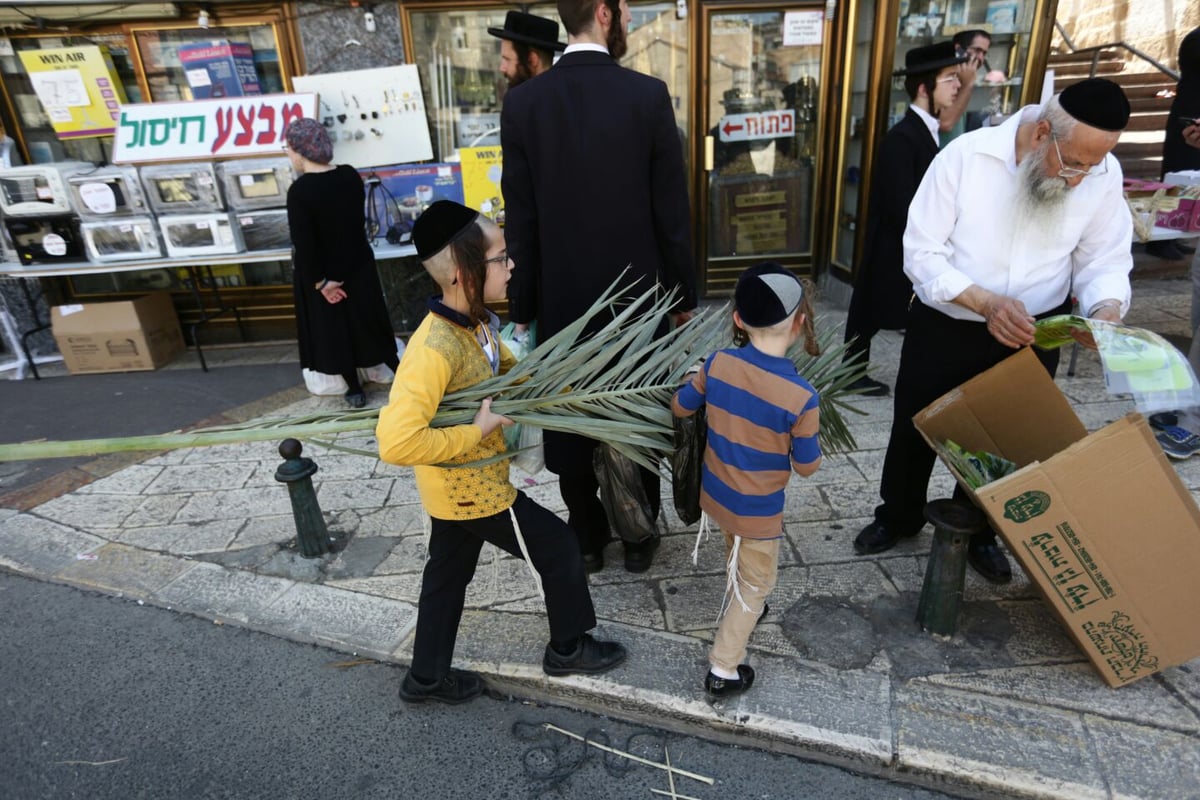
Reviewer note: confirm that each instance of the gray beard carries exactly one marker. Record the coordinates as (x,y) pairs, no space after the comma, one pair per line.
(1040,198)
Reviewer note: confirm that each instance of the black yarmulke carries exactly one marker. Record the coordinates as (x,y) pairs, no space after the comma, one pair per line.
(1096,102)
(439,225)
(766,294)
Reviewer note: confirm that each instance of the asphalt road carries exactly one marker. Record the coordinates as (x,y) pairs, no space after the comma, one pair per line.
(105,698)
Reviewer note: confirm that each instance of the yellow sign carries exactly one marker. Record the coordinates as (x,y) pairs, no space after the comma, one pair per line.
(481,169)
(78,87)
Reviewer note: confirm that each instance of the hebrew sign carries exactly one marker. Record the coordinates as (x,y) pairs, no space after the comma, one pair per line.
(207,129)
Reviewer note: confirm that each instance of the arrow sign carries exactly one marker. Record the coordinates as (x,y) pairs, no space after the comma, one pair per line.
(759,125)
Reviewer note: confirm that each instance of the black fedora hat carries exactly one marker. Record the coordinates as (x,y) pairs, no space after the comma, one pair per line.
(931,58)
(531,30)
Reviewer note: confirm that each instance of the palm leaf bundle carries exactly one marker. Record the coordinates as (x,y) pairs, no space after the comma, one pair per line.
(573,382)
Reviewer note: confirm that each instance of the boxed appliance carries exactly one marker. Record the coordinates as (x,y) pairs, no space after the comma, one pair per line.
(107,192)
(256,183)
(37,190)
(139,334)
(124,239)
(182,188)
(190,235)
(265,230)
(1100,522)
(219,69)
(48,240)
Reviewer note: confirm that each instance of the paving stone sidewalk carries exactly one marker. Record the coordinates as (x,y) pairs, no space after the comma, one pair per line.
(1007,707)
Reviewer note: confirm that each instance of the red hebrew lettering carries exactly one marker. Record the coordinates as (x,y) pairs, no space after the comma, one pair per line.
(268,113)
(224,127)
(247,120)
(290,111)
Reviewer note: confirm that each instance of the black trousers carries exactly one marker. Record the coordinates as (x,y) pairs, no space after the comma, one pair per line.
(938,354)
(861,327)
(454,547)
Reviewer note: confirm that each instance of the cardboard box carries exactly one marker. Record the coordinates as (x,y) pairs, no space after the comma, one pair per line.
(1100,522)
(141,334)
(220,69)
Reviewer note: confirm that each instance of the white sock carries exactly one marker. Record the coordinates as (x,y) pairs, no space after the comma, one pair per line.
(721,673)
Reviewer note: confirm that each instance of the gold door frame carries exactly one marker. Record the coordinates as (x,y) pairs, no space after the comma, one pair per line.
(719,280)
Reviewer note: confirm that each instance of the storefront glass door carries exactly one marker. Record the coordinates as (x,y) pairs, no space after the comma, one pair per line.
(760,109)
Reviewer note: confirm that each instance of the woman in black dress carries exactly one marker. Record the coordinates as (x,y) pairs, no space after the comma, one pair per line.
(341,317)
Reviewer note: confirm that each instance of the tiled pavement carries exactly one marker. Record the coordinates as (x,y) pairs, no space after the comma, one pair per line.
(1007,707)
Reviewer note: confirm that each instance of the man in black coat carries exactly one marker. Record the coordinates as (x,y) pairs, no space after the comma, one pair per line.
(882,290)
(593,185)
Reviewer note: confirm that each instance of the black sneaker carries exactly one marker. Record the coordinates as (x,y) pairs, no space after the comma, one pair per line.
(1163,420)
(723,687)
(457,687)
(591,657)
(356,399)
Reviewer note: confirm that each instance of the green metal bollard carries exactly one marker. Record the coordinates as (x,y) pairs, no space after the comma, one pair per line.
(942,591)
(297,472)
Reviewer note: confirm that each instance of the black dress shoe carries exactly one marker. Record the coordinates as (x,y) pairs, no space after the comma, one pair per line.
(989,561)
(868,387)
(723,687)
(591,656)
(638,557)
(457,687)
(877,537)
(356,399)
(593,562)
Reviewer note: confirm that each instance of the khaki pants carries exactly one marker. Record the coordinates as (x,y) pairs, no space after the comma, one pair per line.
(755,571)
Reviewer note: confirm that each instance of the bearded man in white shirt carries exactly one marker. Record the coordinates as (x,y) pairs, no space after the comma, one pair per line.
(1008,225)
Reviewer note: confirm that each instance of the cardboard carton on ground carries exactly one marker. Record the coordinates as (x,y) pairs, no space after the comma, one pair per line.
(1100,522)
(141,334)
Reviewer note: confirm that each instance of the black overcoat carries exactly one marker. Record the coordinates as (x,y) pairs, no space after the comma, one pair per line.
(882,290)
(593,183)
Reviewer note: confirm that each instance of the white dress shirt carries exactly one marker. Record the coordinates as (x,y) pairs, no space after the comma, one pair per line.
(931,122)
(962,230)
(585,47)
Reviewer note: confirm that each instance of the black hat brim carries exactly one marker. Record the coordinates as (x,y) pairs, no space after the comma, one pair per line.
(501,33)
(932,66)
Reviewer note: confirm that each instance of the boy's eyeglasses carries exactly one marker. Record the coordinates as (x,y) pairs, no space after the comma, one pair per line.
(500,259)
(1073,172)
(949,79)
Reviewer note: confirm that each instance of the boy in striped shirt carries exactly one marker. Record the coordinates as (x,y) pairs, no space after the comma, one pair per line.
(762,426)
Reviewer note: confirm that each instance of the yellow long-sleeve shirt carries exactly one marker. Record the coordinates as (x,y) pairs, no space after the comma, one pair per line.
(444,356)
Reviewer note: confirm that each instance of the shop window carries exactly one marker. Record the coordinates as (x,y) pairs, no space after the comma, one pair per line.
(459,65)
(41,142)
(168,78)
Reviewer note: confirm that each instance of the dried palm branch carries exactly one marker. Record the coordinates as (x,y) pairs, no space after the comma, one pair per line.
(613,385)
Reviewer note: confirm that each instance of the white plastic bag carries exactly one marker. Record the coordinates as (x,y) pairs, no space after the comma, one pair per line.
(321,384)
(531,458)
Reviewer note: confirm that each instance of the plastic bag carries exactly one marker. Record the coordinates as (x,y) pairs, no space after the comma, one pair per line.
(519,345)
(691,435)
(321,384)
(623,495)
(1136,362)
(532,457)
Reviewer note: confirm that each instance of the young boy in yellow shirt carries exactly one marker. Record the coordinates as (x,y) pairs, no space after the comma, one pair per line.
(456,346)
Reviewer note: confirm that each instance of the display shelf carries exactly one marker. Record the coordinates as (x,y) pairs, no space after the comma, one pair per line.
(383,252)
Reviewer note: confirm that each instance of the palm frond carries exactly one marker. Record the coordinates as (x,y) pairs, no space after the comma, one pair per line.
(613,384)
